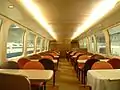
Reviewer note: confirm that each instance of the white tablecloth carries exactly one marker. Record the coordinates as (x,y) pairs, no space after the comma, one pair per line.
(36,75)
(104,79)
(84,60)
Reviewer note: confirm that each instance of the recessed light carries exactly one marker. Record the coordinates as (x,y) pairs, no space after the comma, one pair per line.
(11,6)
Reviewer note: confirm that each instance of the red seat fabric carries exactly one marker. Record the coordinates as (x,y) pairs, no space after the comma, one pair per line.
(101,65)
(115,62)
(35,65)
(22,62)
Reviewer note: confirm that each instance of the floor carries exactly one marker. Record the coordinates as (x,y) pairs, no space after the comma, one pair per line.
(65,78)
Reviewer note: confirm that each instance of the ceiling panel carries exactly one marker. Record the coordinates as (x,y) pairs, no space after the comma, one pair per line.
(63,15)
(66,15)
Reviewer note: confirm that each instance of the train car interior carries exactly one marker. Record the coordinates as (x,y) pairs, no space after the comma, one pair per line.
(60,44)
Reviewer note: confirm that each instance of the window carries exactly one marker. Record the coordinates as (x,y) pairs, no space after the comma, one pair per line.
(43,44)
(91,43)
(85,42)
(15,41)
(38,44)
(30,43)
(0,23)
(115,40)
(47,45)
(81,44)
(101,45)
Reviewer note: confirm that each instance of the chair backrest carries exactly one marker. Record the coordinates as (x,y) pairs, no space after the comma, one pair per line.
(88,65)
(47,63)
(84,57)
(22,62)
(14,82)
(101,65)
(34,56)
(9,65)
(53,54)
(115,62)
(78,53)
(47,57)
(72,53)
(97,56)
(33,65)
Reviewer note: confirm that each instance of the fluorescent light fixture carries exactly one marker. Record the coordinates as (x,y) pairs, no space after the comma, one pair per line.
(101,10)
(11,6)
(35,11)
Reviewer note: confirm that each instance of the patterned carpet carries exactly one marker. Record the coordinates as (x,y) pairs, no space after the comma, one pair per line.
(65,78)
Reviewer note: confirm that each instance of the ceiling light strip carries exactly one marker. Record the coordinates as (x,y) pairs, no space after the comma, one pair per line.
(35,11)
(101,10)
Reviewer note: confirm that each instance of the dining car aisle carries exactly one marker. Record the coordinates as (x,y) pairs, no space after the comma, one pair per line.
(66,78)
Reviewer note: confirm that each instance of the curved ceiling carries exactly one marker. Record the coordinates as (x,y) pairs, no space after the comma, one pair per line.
(63,15)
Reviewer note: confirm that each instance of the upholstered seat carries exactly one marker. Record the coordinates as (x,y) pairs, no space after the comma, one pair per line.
(35,65)
(48,65)
(22,62)
(14,82)
(101,65)
(9,65)
(115,62)
(34,56)
(87,66)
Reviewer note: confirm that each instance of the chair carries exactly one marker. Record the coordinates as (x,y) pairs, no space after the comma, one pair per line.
(68,55)
(22,62)
(48,57)
(97,56)
(48,65)
(74,61)
(87,66)
(79,66)
(34,56)
(53,55)
(74,58)
(14,82)
(101,65)
(9,65)
(84,56)
(115,62)
(85,87)
(35,65)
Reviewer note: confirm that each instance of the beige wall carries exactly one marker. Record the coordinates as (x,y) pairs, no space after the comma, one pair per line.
(62,46)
